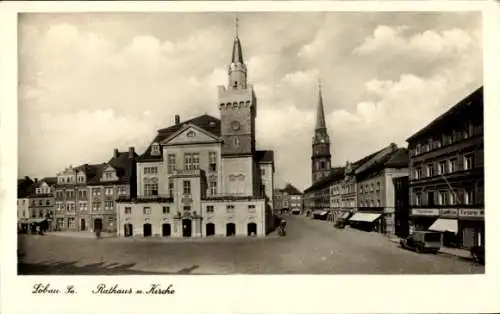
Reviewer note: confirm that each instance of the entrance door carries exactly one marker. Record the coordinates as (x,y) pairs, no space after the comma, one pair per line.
(165,230)
(210,229)
(97,224)
(186,227)
(252,229)
(147,230)
(230,229)
(82,224)
(128,230)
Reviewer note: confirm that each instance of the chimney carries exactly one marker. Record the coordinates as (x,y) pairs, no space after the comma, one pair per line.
(115,154)
(36,180)
(131,152)
(177,119)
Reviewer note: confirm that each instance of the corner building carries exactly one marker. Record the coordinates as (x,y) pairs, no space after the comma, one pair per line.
(203,176)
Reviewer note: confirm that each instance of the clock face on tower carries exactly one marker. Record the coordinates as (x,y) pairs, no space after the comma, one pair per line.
(235,125)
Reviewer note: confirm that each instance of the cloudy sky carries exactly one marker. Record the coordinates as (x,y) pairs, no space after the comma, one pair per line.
(90,83)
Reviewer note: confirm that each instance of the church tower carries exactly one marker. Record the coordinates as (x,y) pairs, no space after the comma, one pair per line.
(238,110)
(321,157)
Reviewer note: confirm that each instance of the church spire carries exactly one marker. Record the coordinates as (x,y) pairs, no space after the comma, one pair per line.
(237,56)
(320,114)
(237,69)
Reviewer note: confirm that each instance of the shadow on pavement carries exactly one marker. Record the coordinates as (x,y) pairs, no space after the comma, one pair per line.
(71,268)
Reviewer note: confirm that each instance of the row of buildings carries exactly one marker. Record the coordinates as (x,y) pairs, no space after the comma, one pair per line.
(199,177)
(288,199)
(436,183)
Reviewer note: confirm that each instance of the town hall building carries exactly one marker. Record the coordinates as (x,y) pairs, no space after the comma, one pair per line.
(205,176)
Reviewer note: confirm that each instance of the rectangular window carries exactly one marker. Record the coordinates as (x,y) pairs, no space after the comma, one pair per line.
(210,208)
(128,210)
(187,187)
(213,187)
(442,167)
(452,165)
(468,161)
(262,172)
(212,161)
(430,170)
(171,163)
(191,161)
(418,199)
(230,208)
(187,208)
(71,223)
(452,198)
(469,197)
(151,170)
(443,198)
(166,210)
(108,191)
(171,188)
(146,210)
(419,173)
(151,189)
(108,205)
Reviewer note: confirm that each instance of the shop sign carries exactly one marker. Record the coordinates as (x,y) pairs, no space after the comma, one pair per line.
(471,212)
(448,212)
(425,211)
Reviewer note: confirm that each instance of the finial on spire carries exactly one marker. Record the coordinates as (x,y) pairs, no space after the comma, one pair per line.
(236,21)
(319,84)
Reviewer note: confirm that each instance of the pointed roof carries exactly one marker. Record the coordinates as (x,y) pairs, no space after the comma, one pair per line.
(291,190)
(237,56)
(320,114)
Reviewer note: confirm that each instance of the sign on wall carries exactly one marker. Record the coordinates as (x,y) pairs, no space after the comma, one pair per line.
(425,211)
(471,212)
(450,212)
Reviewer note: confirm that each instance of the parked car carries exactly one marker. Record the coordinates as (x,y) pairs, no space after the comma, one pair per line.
(422,241)
(477,253)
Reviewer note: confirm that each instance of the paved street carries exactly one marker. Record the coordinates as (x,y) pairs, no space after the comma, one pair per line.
(311,247)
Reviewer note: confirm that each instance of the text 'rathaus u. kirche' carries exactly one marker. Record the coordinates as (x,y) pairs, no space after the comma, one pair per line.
(204,176)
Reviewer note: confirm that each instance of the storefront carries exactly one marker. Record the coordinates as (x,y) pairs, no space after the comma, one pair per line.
(367,221)
(471,227)
(422,218)
(320,214)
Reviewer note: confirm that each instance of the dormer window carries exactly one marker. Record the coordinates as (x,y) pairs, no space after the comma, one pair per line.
(191,134)
(155,149)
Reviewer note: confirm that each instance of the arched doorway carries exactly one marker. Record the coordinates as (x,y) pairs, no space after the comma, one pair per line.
(128,230)
(230,229)
(97,224)
(82,224)
(252,229)
(147,230)
(165,230)
(210,229)
(186,227)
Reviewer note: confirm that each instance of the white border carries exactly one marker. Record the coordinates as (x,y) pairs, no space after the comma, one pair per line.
(254,294)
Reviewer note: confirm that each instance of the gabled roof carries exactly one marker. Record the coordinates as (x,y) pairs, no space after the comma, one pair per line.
(291,190)
(394,158)
(91,171)
(50,180)
(206,122)
(336,173)
(473,101)
(122,163)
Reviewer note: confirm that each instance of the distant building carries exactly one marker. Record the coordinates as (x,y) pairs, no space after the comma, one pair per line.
(317,197)
(204,176)
(278,200)
(25,187)
(42,201)
(447,174)
(376,191)
(289,199)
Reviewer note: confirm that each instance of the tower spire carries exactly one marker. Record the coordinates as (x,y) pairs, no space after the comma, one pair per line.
(236,20)
(320,113)
(237,56)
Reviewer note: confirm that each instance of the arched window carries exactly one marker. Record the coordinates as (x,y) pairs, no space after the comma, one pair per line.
(322,165)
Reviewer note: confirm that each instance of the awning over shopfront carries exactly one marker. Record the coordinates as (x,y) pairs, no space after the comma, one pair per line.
(450,225)
(344,215)
(320,212)
(365,217)
(36,220)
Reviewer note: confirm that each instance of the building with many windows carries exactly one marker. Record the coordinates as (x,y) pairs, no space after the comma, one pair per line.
(42,201)
(289,199)
(447,174)
(205,176)
(25,187)
(72,197)
(114,179)
(376,196)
